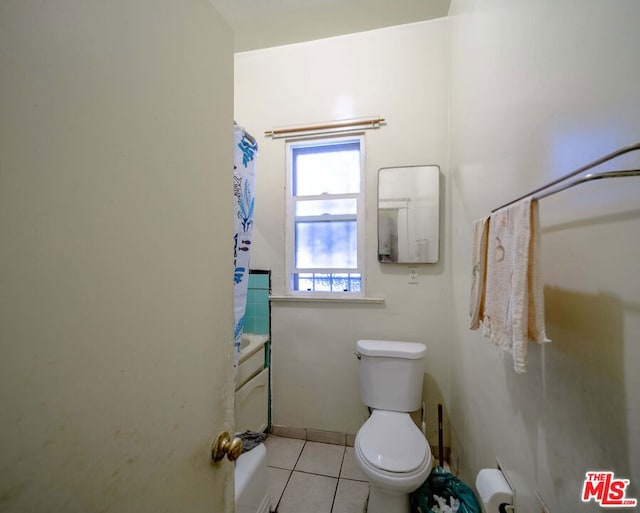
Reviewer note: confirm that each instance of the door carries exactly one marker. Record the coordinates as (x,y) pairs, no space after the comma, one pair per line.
(115,256)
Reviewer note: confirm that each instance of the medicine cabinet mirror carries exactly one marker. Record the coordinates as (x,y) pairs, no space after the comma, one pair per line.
(408,214)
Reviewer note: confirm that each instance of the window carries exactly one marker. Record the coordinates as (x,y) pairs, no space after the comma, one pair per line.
(325,216)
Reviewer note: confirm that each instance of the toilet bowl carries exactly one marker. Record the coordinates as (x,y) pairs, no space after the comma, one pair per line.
(390,450)
(395,457)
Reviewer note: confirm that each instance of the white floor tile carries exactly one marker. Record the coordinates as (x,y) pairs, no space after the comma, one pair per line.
(319,458)
(351,497)
(308,493)
(350,469)
(283,452)
(276,479)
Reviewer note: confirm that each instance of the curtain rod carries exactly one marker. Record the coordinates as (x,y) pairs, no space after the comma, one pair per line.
(336,125)
(587,178)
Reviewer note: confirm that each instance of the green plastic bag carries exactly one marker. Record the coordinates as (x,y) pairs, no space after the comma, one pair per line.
(442,492)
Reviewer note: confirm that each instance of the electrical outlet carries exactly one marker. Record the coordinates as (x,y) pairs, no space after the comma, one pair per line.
(413,276)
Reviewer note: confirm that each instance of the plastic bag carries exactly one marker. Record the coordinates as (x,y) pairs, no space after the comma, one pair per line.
(442,492)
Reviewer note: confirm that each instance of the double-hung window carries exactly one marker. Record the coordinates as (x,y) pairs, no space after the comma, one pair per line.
(325,216)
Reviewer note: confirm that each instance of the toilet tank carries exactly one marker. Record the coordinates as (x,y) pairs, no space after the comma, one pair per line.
(391,374)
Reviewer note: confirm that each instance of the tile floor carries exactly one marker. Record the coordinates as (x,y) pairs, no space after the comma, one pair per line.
(312,477)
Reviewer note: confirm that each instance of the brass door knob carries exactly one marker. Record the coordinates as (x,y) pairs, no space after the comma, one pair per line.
(225,445)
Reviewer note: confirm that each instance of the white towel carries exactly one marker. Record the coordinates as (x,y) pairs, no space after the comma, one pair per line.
(514,301)
(479,271)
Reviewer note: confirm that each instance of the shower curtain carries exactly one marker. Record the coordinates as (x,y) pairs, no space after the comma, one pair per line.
(245,150)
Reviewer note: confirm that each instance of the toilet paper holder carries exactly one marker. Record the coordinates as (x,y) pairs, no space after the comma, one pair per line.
(495,492)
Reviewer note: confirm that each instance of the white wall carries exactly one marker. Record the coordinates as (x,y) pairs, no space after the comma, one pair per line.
(400,74)
(538,89)
(115,199)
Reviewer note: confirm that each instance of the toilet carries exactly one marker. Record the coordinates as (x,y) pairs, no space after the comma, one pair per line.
(389,448)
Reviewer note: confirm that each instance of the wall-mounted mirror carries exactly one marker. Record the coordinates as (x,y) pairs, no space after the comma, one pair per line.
(408,214)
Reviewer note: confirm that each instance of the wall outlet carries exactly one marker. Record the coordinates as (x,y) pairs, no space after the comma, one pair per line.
(413,276)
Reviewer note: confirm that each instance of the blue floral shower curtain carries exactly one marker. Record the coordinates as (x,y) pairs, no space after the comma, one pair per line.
(244,179)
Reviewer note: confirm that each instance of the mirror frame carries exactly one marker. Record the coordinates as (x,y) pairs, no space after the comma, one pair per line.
(427,252)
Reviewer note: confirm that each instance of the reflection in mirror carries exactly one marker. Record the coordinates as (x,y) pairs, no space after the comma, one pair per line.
(408,214)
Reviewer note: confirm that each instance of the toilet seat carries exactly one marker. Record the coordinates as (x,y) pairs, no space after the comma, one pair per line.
(390,442)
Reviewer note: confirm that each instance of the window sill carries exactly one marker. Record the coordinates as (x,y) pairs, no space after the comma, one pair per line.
(325,299)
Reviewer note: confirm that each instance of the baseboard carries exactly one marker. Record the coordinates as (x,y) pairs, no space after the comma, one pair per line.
(314,435)
(336,438)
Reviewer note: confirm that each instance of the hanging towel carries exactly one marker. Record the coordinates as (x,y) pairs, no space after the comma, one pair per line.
(514,301)
(479,271)
(251,440)
(536,326)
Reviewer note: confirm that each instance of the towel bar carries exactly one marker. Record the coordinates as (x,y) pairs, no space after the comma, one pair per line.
(548,190)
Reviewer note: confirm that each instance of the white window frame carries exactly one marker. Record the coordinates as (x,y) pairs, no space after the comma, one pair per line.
(290,220)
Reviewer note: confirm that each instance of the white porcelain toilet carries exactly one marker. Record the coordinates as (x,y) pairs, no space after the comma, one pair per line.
(389,448)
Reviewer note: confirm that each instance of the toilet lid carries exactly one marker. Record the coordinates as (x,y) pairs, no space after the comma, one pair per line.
(391,441)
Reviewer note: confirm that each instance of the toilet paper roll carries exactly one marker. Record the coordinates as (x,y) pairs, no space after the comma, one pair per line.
(493,489)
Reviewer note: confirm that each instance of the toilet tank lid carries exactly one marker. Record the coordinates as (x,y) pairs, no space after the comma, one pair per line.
(391,348)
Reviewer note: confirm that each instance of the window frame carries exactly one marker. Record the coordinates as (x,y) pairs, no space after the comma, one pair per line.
(290,222)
